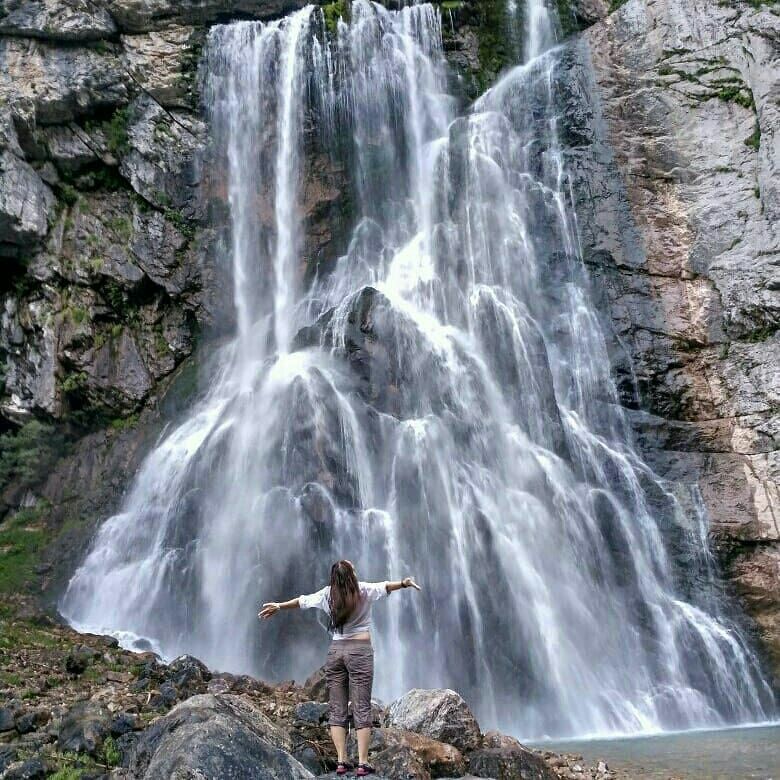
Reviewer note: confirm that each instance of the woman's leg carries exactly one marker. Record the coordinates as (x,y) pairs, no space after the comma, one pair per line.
(360,664)
(337,679)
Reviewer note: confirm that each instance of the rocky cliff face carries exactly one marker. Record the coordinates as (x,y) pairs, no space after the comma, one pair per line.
(671,115)
(673,111)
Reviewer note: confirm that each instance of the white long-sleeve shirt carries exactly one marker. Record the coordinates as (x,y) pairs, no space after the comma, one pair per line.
(359,621)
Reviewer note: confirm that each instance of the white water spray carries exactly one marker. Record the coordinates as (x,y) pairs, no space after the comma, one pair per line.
(438,403)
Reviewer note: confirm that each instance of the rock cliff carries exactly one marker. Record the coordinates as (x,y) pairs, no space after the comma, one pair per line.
(670,115)
(672,109)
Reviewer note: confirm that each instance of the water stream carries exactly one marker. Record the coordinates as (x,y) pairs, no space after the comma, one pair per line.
(437,402)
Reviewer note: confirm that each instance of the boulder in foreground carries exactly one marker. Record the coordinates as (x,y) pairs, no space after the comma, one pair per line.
(210,736)
(438,713)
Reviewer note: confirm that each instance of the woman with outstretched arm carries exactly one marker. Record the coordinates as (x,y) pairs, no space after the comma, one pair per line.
(350,661)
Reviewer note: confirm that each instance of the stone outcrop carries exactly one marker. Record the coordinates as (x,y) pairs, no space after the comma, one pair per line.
(671,112)
(439,714)
(214,736)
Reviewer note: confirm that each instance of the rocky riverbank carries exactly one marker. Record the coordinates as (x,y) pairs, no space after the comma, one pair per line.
(77,706)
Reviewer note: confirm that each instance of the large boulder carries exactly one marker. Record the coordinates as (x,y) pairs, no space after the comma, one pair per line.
(25,204)
(84,728)
(396,753)
(441,714)
(215,736)
(512,762)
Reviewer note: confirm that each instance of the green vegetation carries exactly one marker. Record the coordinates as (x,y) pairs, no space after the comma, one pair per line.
(761,334)
(76,314)
(339,9)
(495,52)
(74,382)
(68,194)
(111,754)
(615,4)
(27,454)
(122,226)
(21,539)
(124,423)
(754,139)
(116,132)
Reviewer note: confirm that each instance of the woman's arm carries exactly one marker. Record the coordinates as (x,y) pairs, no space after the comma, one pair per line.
(406,582)
(272,607)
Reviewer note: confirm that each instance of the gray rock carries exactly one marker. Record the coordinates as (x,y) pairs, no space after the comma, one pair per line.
(30,720)
(69,147)
(31,769)
(398,753)
(60,20)
(144,15)
(316,687)
(59,83)
(25,204)
(509,763)
(688,275)
(312,712)
(163,150)
(441,714)
(215,736)
(84,728)
(6,719)
(164,64)
(188,674)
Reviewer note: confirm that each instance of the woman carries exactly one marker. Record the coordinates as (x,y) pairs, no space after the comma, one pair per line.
(350,662)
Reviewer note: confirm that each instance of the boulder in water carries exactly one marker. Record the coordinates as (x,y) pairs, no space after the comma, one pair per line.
(441,714)
(215,736)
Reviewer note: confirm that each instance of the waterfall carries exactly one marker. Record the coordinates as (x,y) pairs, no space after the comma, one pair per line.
(437,402)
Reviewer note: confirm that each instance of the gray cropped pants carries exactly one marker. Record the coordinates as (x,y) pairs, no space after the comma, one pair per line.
(349,673)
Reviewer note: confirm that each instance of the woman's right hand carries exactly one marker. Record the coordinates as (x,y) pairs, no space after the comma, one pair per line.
(408,582)
(268,610)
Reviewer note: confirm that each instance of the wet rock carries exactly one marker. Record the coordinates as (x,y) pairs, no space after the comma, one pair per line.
(441,714)
(8,755)
(59,20)
(215,736)
(60,83)
(311,712)
(509,763)
(31,769)
(123,723)
(25,204)
(80,658)
(316,687)
(688,277)
(6,719)
(164,64)
(144,15)
(161,162)
(30,720)
(84,727)
(189,675)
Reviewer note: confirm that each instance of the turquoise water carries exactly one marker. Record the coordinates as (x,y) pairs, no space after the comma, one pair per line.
(727,754)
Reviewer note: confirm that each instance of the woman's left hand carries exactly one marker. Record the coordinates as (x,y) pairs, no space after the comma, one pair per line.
(408,582)
(268,610)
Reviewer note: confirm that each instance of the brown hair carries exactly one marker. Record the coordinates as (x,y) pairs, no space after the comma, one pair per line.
(344,594)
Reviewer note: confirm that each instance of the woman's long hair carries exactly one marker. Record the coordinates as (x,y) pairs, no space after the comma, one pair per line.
(344,594)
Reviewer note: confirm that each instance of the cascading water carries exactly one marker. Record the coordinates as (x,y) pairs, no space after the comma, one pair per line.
(439,403)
